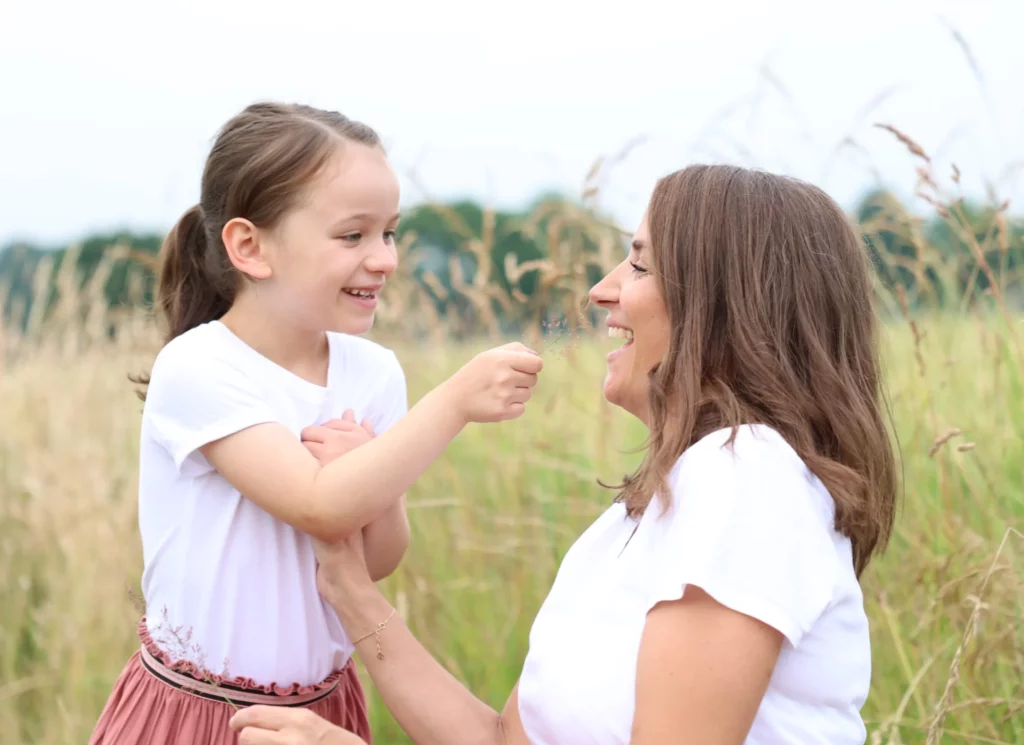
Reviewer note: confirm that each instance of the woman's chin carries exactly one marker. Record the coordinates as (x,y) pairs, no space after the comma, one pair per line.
(619,392)
(610,392)
(615,391)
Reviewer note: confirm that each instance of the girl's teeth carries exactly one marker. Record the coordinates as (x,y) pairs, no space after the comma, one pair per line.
(360,293)
(620,333)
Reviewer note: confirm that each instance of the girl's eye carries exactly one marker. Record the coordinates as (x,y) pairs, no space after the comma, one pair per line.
(637,268)
(352,237)
(389,235)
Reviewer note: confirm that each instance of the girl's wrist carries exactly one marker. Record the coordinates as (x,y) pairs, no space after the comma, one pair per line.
(446,401)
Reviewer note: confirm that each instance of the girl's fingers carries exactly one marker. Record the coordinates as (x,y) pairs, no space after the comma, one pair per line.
(314,434)
(368,426)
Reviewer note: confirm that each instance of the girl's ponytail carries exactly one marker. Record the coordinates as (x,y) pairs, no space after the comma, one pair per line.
(191,289)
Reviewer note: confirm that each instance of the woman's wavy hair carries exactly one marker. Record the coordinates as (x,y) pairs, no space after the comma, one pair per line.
(769,296)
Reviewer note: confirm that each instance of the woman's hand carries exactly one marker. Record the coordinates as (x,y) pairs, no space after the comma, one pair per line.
(341,572)
(277,725)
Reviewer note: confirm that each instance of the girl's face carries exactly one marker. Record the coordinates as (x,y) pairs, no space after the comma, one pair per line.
(327,260)
(636,313)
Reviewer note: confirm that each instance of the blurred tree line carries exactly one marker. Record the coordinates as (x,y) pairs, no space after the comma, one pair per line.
(466,269)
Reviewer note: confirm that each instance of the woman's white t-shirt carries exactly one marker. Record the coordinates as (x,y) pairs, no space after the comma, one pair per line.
(754,529)
(227,586)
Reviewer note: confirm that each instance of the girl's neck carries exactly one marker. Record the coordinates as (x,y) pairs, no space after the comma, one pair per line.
(301,351)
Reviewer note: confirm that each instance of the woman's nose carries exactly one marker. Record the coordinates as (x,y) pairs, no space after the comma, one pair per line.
(605,292)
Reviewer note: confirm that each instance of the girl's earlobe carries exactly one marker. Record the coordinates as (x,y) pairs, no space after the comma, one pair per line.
(246,251)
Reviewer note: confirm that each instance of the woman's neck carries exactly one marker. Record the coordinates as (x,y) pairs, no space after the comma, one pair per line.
(301,351)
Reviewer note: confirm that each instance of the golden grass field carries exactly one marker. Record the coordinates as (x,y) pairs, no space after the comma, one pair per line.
(945,601)
(492,518)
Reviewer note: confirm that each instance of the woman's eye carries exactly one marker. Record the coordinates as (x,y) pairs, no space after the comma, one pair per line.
(637,268)
(352,237)
(389,235)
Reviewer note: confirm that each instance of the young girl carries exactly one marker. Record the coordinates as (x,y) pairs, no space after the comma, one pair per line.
(265,286)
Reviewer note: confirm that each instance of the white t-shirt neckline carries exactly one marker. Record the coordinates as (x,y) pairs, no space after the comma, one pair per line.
(269,367)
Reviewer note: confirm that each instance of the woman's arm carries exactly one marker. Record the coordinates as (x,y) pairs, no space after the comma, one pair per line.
(702,672)
(425,699)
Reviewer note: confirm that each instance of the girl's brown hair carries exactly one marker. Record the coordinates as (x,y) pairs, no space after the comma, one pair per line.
(769,296)
(258,169)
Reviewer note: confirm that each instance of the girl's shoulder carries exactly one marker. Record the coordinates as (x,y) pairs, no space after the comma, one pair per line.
(201,363)
(199,345)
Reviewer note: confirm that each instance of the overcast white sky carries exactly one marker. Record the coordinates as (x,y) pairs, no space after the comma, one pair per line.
(109,106)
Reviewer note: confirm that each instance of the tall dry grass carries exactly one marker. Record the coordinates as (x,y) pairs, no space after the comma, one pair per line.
(946,603)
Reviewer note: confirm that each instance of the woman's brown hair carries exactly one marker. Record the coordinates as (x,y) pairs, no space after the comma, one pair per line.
(769,297)
(258,169)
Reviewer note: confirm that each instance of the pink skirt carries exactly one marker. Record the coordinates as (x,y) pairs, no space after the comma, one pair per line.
(157,703)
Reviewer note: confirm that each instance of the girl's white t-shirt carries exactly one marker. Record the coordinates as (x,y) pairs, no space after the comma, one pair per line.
(227,586)
(754,529)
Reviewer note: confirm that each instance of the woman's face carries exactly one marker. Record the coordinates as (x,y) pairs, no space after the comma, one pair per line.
(637,315)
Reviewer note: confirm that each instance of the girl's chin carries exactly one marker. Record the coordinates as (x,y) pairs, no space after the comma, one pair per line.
(353,326)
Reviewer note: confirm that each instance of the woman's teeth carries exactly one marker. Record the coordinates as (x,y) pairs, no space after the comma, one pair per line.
(360,293)
(620,333)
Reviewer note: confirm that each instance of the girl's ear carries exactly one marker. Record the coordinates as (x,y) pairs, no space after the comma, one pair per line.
(246,250)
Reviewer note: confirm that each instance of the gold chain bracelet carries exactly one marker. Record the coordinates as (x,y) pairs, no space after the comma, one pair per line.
(376,632)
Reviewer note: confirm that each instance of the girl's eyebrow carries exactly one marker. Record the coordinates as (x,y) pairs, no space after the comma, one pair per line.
(370,216)
(363,216)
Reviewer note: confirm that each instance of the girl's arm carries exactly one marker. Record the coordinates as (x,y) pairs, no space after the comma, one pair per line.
(386,538)
(271,467)
(385,541)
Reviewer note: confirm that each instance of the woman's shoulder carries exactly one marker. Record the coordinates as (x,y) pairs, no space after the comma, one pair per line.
(750,480)
(746,443)
(753,526)
(751,458)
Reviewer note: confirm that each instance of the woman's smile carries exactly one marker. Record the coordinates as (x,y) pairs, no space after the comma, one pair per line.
(619,332)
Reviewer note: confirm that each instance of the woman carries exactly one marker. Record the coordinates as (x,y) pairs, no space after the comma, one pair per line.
(717,600)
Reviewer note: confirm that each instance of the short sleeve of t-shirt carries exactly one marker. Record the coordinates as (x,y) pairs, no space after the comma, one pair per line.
(196,396)
(752,528)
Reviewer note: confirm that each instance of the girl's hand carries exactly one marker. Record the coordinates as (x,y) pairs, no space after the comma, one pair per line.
(495,385)
(333,439)
(278,725)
